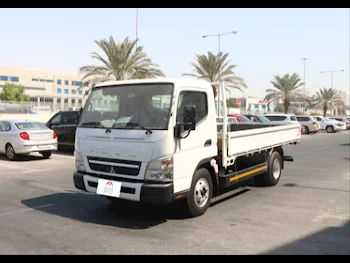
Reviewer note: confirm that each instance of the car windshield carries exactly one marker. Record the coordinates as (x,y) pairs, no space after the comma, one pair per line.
(263,118)
(30,126)
(137,106)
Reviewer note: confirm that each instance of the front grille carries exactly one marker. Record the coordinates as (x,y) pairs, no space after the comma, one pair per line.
(114,166)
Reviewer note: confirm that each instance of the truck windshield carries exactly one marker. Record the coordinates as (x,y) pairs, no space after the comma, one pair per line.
(136,106)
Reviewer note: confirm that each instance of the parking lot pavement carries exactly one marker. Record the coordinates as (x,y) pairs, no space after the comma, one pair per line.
(306,213)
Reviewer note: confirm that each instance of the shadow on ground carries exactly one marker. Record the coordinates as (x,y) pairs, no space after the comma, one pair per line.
(95,209)
(344,144)
(24,158)
(329,241)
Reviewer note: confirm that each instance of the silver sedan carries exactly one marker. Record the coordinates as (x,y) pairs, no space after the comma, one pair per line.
(24,137)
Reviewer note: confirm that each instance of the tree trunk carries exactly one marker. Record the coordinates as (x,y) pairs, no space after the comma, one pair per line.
(286,106)
(214,90)
(325,108)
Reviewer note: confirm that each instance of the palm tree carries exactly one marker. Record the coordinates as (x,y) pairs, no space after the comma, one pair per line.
(120,61)
(216,68)
(328,98)
(287,88)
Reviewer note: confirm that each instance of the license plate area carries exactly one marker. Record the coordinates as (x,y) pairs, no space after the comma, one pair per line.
(108,188)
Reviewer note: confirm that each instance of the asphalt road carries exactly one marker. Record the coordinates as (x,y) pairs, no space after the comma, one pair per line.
(306,213)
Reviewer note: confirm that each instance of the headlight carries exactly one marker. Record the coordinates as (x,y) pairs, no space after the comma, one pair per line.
(79,162)
(160,170)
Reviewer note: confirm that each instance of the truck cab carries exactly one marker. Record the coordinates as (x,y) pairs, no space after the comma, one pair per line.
(155,141)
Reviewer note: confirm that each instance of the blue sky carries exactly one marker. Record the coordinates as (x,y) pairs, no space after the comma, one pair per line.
(269,41)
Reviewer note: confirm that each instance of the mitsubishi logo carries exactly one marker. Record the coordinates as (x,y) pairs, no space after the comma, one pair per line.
(112,170)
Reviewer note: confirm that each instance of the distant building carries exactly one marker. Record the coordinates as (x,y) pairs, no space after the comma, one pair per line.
(343,96)
(57,90)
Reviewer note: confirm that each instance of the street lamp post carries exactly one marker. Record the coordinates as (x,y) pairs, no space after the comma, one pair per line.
(137,25)
(332,71)
(304,85)
(219,36)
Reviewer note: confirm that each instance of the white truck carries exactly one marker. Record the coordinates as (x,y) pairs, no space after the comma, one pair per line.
(157,141)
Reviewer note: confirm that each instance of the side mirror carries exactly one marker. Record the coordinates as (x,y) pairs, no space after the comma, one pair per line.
(190,117)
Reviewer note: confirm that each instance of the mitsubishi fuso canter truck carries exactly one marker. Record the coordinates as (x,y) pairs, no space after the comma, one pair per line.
(158,140)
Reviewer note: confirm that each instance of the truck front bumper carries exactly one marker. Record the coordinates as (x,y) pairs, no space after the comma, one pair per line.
(139,192)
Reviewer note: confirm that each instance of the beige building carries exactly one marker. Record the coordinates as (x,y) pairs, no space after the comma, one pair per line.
(56,90)
(342,95)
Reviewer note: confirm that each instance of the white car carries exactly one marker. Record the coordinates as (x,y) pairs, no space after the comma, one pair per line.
(279,118)
(330,125)
(24,137)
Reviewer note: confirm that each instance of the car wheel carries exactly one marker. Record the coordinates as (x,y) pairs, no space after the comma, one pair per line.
(10,153)
(329,129)
(46,154)
(307,131)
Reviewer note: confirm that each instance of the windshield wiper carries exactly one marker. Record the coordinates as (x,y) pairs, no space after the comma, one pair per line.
(140,126)
(95,124)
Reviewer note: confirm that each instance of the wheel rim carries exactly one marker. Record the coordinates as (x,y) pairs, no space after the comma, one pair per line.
(276,168)
(201,192)
(329,129)
(10,152)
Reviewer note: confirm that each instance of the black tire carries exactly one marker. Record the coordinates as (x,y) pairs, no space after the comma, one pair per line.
(329,129)
(197,202)
(307,131)
(10,153)
(270,178)
(46,154)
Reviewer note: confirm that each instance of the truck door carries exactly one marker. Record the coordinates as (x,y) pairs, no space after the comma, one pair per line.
(200,144)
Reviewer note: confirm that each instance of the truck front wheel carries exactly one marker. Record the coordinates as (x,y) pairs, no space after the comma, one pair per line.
(273,174)
(200,194)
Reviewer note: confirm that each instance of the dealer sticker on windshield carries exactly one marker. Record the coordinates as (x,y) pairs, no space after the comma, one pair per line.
(108,188)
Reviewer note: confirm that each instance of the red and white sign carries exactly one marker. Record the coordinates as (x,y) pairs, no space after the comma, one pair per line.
(108,188)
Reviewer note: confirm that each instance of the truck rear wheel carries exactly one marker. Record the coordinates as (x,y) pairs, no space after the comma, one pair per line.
(200,194)
(273,174)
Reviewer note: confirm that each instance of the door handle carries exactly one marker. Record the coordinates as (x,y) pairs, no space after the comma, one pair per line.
(207,143)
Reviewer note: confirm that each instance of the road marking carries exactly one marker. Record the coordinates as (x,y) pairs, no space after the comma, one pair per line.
(15,167)
(25,209)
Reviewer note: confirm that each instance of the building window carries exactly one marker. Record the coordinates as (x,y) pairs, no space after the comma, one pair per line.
(58,100)
(80,92)
(59,91)
(66,82)
(59,82)
(9,78)
(73,91)
(65,91)
(80,101)
(73,101)
(65,100)
(76,83)
(35,88)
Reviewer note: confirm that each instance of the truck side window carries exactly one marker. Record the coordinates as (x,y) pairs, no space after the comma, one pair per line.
(199,99)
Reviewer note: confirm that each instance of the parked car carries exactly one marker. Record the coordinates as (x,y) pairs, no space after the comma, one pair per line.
(64,123)
(310,123)
(342,119)
(281,118)
(25,137)
(220,120)
(302,129)
(257,118)
(239,117)
(330,125)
